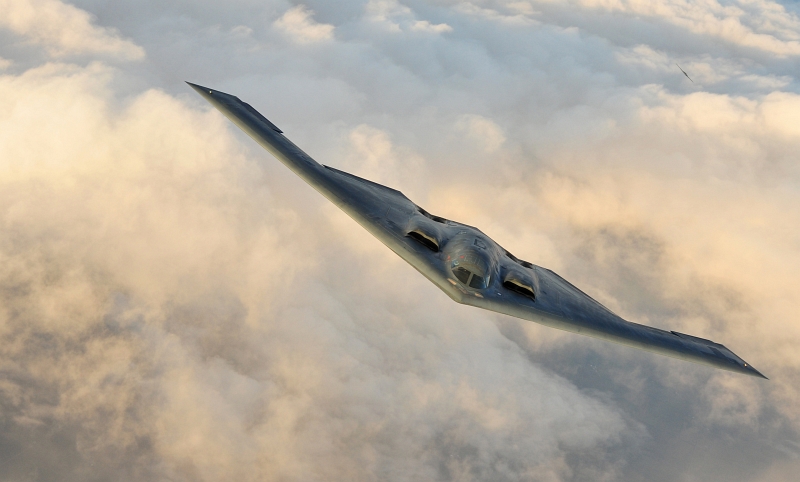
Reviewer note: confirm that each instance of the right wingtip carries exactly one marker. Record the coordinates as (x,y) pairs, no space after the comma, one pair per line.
(753,372)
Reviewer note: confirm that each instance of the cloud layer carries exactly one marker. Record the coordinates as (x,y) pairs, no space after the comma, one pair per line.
(64,30)
(174,304)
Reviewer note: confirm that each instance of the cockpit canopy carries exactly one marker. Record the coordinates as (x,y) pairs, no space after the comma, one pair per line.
(471,269)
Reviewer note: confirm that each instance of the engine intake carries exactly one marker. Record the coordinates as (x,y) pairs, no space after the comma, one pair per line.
(424,239)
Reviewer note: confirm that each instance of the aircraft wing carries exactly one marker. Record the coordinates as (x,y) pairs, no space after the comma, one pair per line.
(561,305)
(520,289)
(381,210)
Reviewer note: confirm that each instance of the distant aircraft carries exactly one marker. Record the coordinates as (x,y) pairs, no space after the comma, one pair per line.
(684,73)
(464,262)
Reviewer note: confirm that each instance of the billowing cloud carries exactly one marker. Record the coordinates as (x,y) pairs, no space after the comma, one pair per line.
(298,23)
(148,283)
(175,304)
(763,25)
(759,26)
(481,131)
(64,30)
(396,17)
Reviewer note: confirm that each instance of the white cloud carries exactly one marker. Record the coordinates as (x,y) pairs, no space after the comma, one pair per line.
(64,30)
(518,13)
(425,26)
(482,131)
(373,155)
(211,338)
(298,23)
(705,71)
(242,31)
(176,304)
(759,24)
(396,17)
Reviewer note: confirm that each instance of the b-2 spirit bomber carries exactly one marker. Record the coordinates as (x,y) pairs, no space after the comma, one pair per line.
(461,260)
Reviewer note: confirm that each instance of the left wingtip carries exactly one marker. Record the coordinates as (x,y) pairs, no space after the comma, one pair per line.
(207,93)
(199,88)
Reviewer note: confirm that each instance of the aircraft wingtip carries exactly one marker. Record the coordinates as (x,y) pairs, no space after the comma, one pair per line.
(199,88)
(753,372)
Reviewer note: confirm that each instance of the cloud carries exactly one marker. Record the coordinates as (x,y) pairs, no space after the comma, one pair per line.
(397,17)
(750,27)
(774,30)
(374,156)
(64,30)
(175,304)
(299,25)
(482,131)
(154,308)
(707,71)
(425,26)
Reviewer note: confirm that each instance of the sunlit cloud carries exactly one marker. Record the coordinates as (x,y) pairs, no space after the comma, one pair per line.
(396,17)
(176,304)
(299,24)
(482,131)
(64,30)
(763,25)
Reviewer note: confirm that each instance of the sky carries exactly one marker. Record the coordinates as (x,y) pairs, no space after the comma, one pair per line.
(176,305)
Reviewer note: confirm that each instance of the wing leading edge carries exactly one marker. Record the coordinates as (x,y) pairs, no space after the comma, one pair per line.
(513,287)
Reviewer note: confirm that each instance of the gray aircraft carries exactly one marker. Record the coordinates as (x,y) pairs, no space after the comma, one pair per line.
(684,73)
(462,261)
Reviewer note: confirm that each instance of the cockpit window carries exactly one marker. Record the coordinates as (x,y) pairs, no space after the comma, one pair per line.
(462,274)
(477,282)
(469,278)
(470,266)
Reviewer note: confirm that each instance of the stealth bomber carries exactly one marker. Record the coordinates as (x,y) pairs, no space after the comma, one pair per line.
(462,261)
